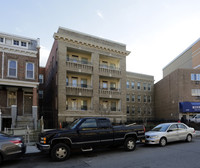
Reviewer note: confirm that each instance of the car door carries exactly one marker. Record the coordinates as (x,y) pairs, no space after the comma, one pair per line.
(87,133)
(182,131)
(172,134)
(105,132)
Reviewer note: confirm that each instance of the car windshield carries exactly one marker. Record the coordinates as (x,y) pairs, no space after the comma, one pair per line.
(161,128)
(74,124)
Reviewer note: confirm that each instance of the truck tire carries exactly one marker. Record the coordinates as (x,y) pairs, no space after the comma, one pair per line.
(130,144)
(60,152)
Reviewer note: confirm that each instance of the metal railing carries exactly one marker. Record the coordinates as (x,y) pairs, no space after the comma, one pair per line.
(78,61)
(78,85)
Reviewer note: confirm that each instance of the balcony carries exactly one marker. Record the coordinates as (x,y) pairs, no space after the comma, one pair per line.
(79,90)
(80,66)
(109,71)
(110,93)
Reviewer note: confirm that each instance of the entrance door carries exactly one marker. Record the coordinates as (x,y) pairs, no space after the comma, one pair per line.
(28,103)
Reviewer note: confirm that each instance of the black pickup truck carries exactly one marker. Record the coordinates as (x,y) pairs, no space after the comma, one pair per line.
(87,134)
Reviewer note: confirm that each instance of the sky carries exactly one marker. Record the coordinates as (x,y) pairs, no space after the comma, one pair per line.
(155,31)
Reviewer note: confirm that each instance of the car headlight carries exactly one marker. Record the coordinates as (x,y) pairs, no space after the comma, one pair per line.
(153,136)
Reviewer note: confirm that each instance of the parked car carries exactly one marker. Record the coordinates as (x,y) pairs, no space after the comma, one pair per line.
(169,132)
(11,147)
(195,119)
(87,134)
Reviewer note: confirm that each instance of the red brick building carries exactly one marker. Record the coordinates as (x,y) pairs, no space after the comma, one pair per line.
(19,65)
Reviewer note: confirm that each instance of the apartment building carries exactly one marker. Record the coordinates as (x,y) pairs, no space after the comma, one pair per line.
(85,76)
(177,94)
(139,97)
(19,62)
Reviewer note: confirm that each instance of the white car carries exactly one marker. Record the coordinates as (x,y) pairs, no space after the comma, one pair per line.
(169,132)
(195,119)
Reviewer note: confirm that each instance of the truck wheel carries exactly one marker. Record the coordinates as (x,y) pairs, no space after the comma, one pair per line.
(130,144)
(60,152)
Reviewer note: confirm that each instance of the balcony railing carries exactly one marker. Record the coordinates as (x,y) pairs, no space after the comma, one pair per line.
(79,85)
(110,71)
(81,66)
(82,108)
(109,67)
(109,109)
(110,93)
(79,61)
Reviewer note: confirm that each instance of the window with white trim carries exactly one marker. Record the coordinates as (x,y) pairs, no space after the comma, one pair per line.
(29,70)
(12,68)
(1,40)
(16,42)
(23,44)
(12,98)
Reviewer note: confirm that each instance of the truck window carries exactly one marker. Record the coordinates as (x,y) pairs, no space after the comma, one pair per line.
(104,123)
(89,123)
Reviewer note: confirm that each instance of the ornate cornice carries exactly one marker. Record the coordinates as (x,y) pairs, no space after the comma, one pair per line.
(85,43)
(19,51)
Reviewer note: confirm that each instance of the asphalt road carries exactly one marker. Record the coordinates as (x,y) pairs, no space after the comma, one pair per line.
(174,155)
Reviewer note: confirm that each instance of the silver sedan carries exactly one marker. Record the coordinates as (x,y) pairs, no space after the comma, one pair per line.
(169,132)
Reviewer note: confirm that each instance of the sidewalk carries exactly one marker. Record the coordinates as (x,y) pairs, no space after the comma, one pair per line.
(32,149)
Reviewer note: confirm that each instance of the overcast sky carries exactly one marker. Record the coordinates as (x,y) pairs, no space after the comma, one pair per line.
(155,31)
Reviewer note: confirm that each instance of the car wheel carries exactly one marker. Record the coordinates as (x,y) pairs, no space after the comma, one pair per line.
(60,152)
(130,144)
(163,142)
(189,138)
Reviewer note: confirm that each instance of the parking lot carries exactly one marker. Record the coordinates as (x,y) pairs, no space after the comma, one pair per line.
(175,155)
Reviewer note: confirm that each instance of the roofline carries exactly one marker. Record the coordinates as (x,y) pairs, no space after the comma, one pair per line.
(85,34)
(182,52)
(18,36)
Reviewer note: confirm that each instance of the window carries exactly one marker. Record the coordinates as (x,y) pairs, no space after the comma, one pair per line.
(113,106)
(112,66)
(40,94)
(139,110)
(133,110)
(144,86)
(127,110)
(1,40)
(181,126)
(195,77)
(74,58)
(83,104)
(139,98)
(12,68)
(89,123)
(104,64)
(127,84)
(67,81)
(112,86)
(132,85)
(133,98)
(74,81)
(105,105)
(138,85)
(12,98)
(173,127)
(23,44)
(84,60)
(67,57)
(149,99)
(104,123)
(29,70)
(149,87)
(195,92)
(16,42)
(105,84)
(84,83)
(41,78)
(145,99)
(127,97)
